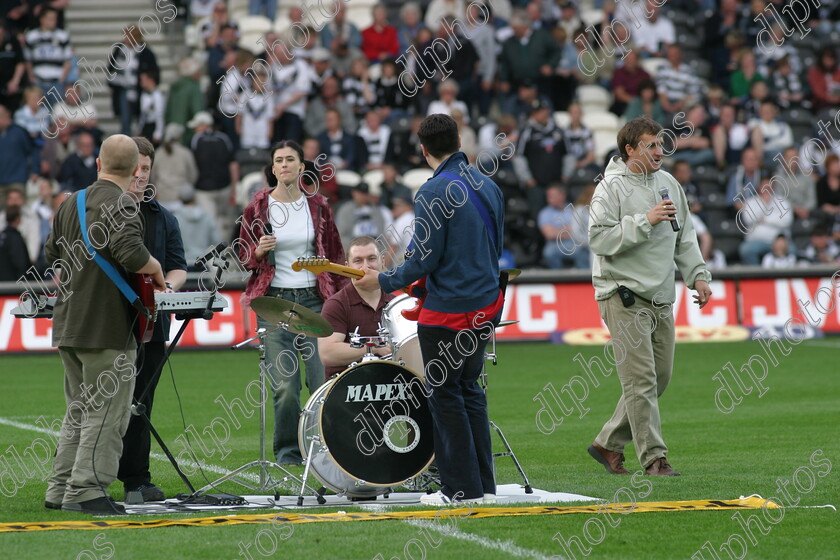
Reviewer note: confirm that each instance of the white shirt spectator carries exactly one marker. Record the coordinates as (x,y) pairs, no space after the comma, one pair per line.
(651,36)
(439,106)
(152,109)
(772,261)
(288,81)
(47,51)
(764,219)
(257,118)
(376,142)
(777,134)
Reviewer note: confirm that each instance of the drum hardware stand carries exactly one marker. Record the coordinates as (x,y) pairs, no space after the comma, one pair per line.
(509,452)
(266,481)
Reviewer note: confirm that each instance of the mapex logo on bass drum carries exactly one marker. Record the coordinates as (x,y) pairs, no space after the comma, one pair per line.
(378,392)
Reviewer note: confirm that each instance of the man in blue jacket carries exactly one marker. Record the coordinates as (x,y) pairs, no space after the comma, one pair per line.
(458,233)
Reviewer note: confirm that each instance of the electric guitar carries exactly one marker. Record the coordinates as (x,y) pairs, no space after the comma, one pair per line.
(317,265)
(145,289)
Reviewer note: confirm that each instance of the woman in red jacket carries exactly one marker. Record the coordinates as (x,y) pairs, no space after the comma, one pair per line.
(287,222)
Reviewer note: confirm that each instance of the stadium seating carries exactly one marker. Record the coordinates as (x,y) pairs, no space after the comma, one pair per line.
(593,98)
(414,178)
(374,178)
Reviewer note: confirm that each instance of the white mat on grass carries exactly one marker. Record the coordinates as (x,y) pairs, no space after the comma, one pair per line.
(506,494)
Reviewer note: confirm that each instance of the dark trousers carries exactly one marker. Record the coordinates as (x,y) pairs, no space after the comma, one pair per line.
(134,463)
(289,127)
(463,451)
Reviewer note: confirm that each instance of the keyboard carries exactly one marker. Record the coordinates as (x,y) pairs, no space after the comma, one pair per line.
(175,302)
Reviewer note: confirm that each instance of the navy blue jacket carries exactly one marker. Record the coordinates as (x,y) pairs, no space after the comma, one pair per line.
(162,237)
(451,244)
(16,161)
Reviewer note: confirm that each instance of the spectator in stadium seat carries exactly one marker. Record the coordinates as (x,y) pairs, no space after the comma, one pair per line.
(220,57)
(185,97)
(12,68)
(802,193)
(201,9)
(391,188)
(218,171)
(646,103)
(557,222)
(404,147)
(745,180)
(392,102)
(527,55)
(124,75)
(580,144)
(565,76)
(16,214)
(786,86)
(343,149)
(593,62)
(677,85)
(321,69)
(823,79)
(526,94)
(469,142)
(769,134)
(725,60)
(290,83)
(379,41)
(78,115)
(729,137)
(357,88)
(655,33)
(152,107)
(211,32)
(375,135)
(462,64)
(714,102)
(362,215)
(402,210)
(329,98)
(14,258)
(682,173)
(828,189)
(694,144)
(447,100)
(48,53)
(79,169)
(751,24)
(255,117)
(780,255)
(750,106)
(174,167)
(484,43)
(746,75)
(198,228)
(31,117)
(340,34)
(626,82)
(410,24)
(540,155)
(327,184)
(821,249)
(762,219)
(56,149)
(569,20)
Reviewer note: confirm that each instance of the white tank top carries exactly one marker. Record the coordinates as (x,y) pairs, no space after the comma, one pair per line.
(292,226)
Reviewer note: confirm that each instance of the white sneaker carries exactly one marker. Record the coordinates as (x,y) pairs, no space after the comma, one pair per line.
(441,499)
(489,499)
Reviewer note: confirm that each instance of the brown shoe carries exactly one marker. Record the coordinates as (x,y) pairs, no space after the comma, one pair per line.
(612,461)
(660,467)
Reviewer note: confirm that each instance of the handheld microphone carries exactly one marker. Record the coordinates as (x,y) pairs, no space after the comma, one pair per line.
(270,255)
(675,225)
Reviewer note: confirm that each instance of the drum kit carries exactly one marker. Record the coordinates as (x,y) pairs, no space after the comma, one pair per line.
(368,430)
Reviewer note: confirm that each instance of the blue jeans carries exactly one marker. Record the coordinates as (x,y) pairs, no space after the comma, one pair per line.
(284,352)
(752,251)
(463,450)
(255,8)
(554,257)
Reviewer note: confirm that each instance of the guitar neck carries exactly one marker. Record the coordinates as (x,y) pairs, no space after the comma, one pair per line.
(318,266)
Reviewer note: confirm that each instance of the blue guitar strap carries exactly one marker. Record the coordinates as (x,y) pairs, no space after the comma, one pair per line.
(480,207)
(106,267)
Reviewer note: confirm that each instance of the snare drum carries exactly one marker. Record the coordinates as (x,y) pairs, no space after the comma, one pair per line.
(372,429)
(402,333)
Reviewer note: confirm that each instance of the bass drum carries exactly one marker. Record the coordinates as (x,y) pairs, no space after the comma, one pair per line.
(402,333)
(372,429)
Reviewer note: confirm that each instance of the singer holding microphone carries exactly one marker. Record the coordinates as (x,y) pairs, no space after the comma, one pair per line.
(639,226)
(287,221)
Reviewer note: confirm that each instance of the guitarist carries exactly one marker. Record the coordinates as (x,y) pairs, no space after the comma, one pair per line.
(162,237)
(457,244)
(353,307)
(92,329)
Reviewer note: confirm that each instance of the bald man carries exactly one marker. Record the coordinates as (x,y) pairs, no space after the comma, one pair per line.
(92,329)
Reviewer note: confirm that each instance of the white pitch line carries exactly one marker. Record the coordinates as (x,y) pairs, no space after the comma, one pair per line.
(493,544)
(830,344)
(159,456)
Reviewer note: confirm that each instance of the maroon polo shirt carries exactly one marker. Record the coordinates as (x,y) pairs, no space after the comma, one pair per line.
(346,310)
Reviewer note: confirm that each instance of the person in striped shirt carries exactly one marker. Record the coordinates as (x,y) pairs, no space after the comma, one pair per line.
(48,53)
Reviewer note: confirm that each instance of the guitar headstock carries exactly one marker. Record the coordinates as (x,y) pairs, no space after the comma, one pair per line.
(312,264)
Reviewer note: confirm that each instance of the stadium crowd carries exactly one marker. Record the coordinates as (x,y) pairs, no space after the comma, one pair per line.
(749,91)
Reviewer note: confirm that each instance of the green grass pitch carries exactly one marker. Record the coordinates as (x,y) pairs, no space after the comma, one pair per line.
(789,434)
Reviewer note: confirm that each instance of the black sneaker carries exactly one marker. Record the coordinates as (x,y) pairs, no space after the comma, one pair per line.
(149,491)
(50,505)
(97,506)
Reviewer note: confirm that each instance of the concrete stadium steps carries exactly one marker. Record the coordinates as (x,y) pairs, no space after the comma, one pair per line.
(94,27)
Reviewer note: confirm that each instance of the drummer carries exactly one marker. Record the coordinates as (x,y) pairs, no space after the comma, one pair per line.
(351,308)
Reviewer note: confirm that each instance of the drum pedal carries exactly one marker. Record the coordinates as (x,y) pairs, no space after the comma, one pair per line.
(214,499)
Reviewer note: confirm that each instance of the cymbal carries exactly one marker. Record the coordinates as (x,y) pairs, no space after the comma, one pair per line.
(293,317)
(512,272)
(506,323)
